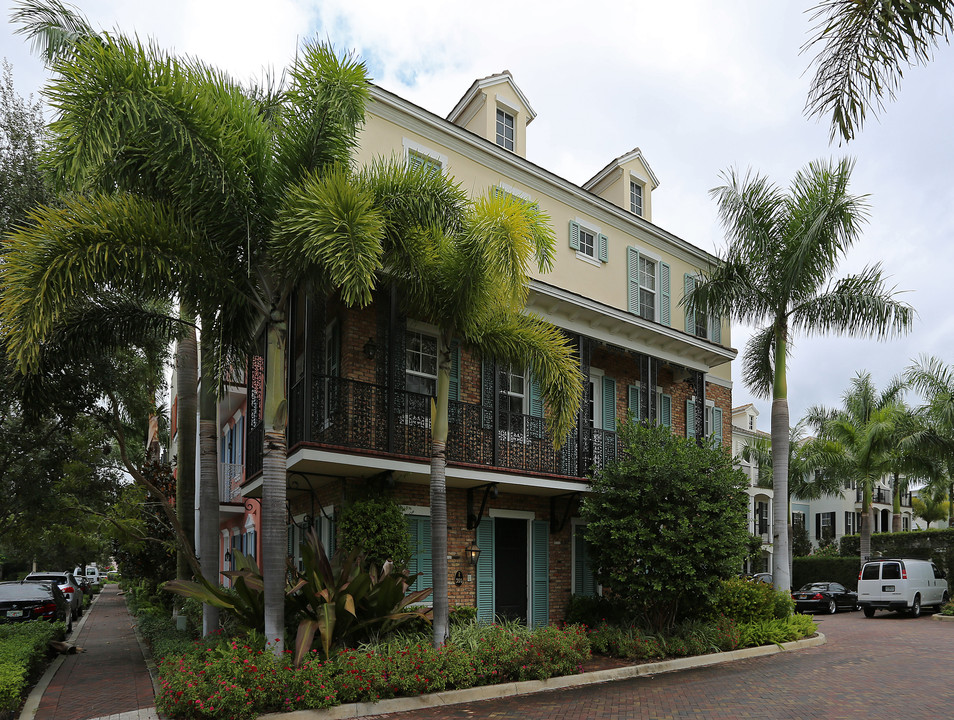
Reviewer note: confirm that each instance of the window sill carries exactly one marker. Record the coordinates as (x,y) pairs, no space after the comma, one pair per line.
(587,259)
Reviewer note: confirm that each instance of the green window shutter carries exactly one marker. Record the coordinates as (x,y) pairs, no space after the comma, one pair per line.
(413,541)
(634,401)
(715,329)
(717,425)
(603,248)
(609,404)
(690,282)
(584,582)
(419,534)
(690,418)
(574,235)
(665,411)
(540,574)
(664,317)
(536,396)
(632,280)
(454,387)
(486,610)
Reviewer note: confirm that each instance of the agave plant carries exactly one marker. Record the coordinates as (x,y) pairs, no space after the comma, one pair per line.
(339,598)
(245,600)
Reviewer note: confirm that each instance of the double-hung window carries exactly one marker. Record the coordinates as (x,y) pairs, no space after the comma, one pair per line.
(635,197)
(697,323)
(421,363)
(647,279)
(505,130)
(712,423)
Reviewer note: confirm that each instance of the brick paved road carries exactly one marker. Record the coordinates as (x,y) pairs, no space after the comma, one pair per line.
(884,668)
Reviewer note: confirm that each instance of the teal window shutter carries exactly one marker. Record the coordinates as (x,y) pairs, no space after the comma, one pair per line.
(574,235)
(717,425)
(609,404)
(665,411)
(419,534)
(632,280)
(603,248)
(454,387)
(690,282)
(715,329)
(690,418)
(664,293)
(634,406)
(486,609)
(536,396)
(540,585)
(584,582)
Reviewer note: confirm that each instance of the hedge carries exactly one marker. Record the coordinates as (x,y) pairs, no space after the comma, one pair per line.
(936,545)
(842,570)
(23,652)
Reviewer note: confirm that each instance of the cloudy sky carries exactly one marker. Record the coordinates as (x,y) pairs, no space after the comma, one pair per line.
(698,86)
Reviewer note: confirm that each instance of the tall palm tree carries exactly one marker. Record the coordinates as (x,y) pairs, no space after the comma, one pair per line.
(865,46)
(867,431)
(463,266)
(934,380)
(198,188)
(776,274)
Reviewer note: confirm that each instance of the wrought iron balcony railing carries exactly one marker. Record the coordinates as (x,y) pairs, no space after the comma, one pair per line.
(231,476)
(356,415)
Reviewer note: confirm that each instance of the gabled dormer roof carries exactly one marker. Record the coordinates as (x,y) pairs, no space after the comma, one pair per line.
(481,85)
(620,162)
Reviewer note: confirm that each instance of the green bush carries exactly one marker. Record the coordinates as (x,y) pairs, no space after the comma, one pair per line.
(23,653)
(376,526)
(747,601)
(936,545)
(594,610)
(776,631)
(242,680)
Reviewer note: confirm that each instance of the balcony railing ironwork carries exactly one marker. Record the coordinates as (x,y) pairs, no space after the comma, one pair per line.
(362,416)
(231,476)
(882,496)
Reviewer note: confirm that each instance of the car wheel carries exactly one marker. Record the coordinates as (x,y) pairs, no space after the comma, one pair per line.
(869,611)
(916,607)
(945,599)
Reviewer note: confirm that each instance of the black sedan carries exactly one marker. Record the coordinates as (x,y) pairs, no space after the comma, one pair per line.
(824,597)
(22,601)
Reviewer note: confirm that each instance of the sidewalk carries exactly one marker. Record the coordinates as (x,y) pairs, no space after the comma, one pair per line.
(109,680)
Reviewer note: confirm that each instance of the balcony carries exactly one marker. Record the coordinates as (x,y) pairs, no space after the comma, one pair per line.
(360,416)
(883,497)
(231,476)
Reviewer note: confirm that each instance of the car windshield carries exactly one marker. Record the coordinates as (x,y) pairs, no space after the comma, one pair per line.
(26,591)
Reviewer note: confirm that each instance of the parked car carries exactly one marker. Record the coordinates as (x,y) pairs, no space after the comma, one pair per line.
(826,597)
(90,574)
(763,578)
(68,583)
(22,601)
(903,585)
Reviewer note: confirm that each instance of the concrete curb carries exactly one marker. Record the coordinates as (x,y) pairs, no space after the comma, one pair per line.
(943,618)
(32,703)
(491,692)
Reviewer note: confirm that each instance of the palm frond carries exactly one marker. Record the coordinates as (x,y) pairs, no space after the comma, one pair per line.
(864,46)
(758,370)
(857,305)
(53,28)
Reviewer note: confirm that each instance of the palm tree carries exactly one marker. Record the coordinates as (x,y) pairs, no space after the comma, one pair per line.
(867,431)
(776,274)
(464,268)
(930,507)
(865,46)
(197,188)
(934,380)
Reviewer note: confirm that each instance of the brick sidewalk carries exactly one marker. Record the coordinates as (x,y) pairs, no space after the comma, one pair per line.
(110,679)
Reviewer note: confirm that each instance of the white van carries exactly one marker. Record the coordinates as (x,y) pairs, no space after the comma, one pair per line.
(901,585)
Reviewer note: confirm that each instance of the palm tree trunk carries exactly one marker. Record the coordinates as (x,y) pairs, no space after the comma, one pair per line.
(439,423)
(866,522)
(187,362)
(781,574)
(208,497)
(274,532)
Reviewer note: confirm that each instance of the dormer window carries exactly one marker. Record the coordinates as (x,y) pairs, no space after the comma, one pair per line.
(635,198)
(505,130)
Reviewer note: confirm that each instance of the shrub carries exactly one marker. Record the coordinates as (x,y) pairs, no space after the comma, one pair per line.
(746,601)
(376,526)
(776,631)
(594,610)
(23,651)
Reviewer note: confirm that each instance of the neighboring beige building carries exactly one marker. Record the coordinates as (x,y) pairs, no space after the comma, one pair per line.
(360,380)
(745,432)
